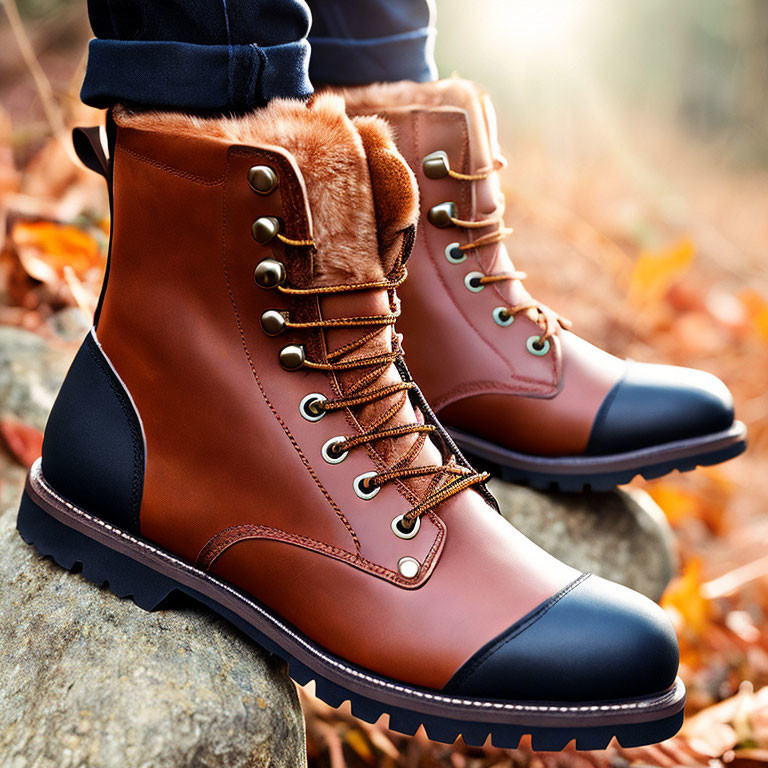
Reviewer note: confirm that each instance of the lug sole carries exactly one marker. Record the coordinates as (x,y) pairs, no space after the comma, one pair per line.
(602,473)
(132,567)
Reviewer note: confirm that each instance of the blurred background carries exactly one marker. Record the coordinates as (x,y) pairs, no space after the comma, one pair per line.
(637,140)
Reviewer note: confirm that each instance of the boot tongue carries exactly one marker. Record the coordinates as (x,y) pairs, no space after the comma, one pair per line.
(394,196)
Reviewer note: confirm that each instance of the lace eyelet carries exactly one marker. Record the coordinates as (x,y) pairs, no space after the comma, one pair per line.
(536,347)
(503,317)
(454,254)
(331,454)
(408,567)
(402,532)
(471,281)
(307,403)
(359,485)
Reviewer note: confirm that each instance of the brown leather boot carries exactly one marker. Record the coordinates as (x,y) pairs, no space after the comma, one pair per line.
(240,427)
(519,393)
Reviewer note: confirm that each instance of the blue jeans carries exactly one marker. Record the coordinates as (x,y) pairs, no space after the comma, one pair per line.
(233,55)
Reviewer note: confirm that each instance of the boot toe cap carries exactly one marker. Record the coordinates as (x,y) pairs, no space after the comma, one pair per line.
(595,641)
(656,404)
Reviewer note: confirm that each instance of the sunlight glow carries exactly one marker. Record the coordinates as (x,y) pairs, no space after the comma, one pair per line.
(533,28)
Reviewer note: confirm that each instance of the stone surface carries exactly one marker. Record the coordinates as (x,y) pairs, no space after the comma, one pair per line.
(90,680)
(622,535)
(31,370)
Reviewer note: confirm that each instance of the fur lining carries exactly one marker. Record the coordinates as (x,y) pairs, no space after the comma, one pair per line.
(331,154)
(451,92)
(395,194)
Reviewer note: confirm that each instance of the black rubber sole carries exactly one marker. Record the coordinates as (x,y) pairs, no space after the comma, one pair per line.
(601,473)
(131,567)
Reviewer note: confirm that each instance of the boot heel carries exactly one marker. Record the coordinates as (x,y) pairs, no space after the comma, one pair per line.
(101,565)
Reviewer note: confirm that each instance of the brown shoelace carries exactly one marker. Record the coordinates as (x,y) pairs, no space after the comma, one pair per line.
(548,320)
(365,391)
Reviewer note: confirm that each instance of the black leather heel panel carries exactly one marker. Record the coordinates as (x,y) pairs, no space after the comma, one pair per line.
(93,451)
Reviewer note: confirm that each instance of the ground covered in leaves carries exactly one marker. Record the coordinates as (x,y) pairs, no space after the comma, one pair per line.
(651,245)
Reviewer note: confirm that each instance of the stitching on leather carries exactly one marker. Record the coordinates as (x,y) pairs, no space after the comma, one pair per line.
(239,533)
(433,259)
(136,437)
(121,150)
(516,629)
(481,388)
(369,680)
(244,344)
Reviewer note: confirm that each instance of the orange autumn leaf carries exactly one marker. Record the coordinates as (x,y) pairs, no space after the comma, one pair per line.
(357,741)
(655,272)
(684,600)
(24,442)
(46,248)
(757,311)
(678,504)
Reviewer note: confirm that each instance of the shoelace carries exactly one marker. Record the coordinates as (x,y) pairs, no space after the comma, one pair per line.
(548,320)
(365,392)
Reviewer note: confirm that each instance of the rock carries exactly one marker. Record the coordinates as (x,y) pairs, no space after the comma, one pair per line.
(31,371)
(89,680)
(622,536)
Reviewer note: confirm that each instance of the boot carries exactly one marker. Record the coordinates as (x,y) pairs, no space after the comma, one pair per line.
(519,393)
(240,427)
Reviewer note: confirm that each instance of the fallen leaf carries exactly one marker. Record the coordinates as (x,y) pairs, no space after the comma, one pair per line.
(656,271)
(24,442)
(45,249)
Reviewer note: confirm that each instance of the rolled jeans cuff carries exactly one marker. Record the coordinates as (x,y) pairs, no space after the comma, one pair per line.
(346,61)
(187,76)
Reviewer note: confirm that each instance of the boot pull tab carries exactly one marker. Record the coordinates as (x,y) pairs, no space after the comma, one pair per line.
(88,147)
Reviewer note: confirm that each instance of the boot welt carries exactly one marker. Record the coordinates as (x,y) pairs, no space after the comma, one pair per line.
(602,473)
(131,566)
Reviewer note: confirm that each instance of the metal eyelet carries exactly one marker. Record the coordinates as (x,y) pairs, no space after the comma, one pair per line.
(436,165)
(408,567)
(440,215)
(329,450)
(291,358)
(269,273)
(536,347)
(359,485)
(262,179)
(273,322)
(471,281)
(265,229)
(306,404)
(454,254)
(503,317)
(405,533)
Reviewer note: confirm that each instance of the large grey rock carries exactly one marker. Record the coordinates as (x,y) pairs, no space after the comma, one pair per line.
(31,371)
(622,536)
(91,681)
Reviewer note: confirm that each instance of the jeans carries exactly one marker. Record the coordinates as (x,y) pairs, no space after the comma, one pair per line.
(233,55)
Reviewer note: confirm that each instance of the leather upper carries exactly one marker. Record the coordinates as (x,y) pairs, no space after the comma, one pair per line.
(479,376)
(228,452)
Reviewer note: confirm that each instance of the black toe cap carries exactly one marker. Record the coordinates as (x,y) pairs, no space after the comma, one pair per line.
(657,404)
(595,641)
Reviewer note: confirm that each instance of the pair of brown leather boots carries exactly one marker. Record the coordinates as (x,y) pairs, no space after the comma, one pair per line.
(241,426)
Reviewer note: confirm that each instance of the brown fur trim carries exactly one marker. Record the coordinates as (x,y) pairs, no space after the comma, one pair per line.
(450,92)
(453,92)
(328,150)
(395,194)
